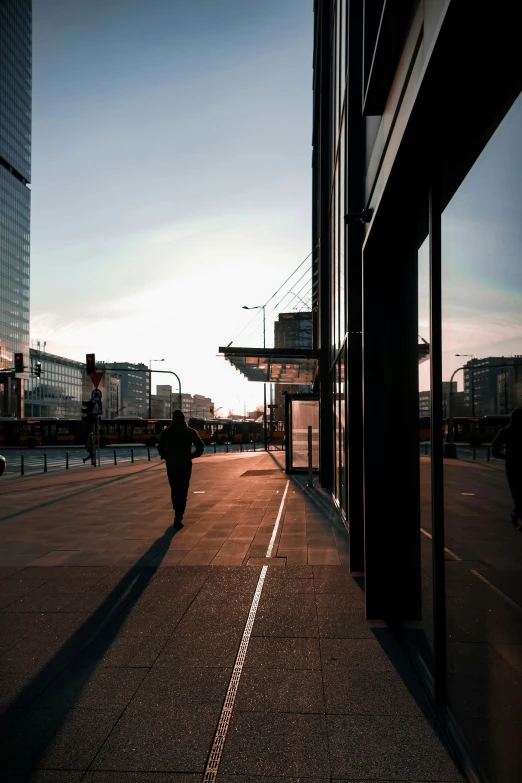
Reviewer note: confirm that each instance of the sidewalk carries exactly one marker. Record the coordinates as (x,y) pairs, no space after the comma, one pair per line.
(119,638)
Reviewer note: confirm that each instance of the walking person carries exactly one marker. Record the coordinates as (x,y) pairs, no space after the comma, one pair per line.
(510,439)
(175,447)
(89,446)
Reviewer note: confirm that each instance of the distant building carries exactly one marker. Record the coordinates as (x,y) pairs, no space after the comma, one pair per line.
(161,402)
(291,330)
(134,386)
(59,390)
(492,385)
(195,406)
(15,195)
(458,401)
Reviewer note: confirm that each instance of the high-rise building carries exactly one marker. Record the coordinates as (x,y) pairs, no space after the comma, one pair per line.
(15,195)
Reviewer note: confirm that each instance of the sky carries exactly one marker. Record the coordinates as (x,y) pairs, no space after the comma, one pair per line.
(171,178)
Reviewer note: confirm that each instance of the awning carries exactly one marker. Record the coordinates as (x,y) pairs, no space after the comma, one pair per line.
(284,365)
(274,365)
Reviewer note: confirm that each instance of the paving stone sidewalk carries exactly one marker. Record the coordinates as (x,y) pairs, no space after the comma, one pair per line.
(118,637)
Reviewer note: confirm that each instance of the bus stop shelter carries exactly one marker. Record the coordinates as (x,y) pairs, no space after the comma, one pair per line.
(287,366)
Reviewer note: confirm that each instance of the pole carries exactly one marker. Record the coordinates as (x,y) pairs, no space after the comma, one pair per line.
(150,390)
(472,389)
(264,385)
(310,475)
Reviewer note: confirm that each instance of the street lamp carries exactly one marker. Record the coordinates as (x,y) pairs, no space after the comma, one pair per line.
(262,307)
(150,383)
(471,356)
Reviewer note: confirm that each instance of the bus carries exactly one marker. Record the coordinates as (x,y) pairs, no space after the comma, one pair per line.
(30,433)
(476,430)
(473,430)
(227,430)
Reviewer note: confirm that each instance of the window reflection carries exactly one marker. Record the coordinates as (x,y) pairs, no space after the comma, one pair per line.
(482,335)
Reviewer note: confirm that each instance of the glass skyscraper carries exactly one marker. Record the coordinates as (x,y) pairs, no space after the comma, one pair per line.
(15,195)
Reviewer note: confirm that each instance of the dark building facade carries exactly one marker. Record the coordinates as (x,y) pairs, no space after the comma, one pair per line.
(15,195)
(417,192)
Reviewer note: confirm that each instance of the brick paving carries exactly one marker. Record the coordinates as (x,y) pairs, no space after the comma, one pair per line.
(118,636)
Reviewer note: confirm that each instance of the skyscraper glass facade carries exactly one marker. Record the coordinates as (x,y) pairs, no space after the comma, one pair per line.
(15,195)
(417,194)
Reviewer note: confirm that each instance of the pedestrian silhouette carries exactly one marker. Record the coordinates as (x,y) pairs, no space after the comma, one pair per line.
(508,446)
(175,447)
(89,446)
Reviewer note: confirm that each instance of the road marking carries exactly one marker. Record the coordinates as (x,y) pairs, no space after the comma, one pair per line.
(479,576)
(448,551)
(220,736)
(497,591)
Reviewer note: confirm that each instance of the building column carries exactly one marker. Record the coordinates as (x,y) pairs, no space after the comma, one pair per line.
(390,398)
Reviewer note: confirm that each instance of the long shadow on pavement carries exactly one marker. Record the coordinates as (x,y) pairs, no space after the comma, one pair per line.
(98,633)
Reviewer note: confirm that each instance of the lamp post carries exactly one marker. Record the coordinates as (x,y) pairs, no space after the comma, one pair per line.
(150,383)
(262,307)
(450,450)
(471,356)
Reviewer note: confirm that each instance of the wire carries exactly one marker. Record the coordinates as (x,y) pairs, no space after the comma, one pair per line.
(261,307)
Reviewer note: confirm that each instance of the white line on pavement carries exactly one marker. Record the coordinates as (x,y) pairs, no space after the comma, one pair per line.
(220,736)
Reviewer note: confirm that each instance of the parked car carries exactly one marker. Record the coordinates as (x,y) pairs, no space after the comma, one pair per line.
(3,464)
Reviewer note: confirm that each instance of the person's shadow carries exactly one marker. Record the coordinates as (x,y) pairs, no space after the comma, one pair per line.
(92,640)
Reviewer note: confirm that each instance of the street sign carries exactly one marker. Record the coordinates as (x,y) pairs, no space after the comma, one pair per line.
(96,395)
(97,408)
(96,378)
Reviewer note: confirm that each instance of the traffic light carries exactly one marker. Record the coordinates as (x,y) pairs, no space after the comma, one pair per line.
(19,362)
(38,369)
(90,362)
(87,410)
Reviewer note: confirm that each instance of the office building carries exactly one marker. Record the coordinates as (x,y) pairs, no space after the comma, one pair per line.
(417,170)
(492,385)
(15,195)
(59,390)
(134,387)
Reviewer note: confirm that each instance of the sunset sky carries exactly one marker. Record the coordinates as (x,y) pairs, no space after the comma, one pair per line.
(171,177)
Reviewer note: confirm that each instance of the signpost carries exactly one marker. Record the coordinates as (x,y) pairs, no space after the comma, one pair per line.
(97,410)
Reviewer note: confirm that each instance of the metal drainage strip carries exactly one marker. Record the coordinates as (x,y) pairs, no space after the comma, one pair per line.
(224,721)
(216,751)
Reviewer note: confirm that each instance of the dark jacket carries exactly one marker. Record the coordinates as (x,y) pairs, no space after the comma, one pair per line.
(511,439)
(175,444)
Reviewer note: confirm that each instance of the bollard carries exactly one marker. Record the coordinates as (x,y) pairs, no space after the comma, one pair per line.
(227,446)
(66,460)
(241,446)
(489,450)
(474,452)
(254,445)
(45,463)
(132,455)
(215,447)
(115,460)
(426,448)
(148,453)
(310,476)
(22,465)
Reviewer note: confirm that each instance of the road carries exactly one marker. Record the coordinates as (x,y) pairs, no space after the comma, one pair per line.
(34,459)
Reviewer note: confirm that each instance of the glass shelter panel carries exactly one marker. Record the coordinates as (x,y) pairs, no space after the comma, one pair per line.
(303,413)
